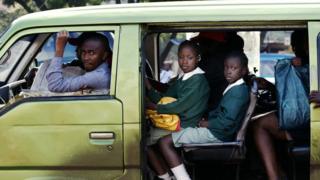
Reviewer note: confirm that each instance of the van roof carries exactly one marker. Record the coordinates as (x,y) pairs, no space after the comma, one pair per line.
(183,11)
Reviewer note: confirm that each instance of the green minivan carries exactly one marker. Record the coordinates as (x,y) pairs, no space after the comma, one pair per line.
(102,135)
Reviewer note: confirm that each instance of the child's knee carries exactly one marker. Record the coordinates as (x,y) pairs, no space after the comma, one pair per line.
(256,124)
(165,141)
(149,149)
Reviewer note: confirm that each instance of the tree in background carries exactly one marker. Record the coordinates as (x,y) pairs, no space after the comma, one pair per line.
(29,6)
(36,5)
(7,17)
(23,3)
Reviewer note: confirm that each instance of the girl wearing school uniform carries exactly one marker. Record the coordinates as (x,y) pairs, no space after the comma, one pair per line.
(222,123)
(191,92)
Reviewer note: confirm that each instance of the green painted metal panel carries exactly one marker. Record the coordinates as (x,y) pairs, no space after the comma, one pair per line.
(56,134)
(128,89)
(315,146)
(314,30)
(64,113)
(132,138)
(63,174)
(128,74)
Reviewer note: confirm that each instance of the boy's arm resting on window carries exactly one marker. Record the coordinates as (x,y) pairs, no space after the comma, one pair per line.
(96,79)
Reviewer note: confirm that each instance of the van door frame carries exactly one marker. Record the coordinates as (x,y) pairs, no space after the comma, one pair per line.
(115,29)
(217,26)
(314,53)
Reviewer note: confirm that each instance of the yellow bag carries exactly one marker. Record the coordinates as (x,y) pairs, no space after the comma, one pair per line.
(169,122)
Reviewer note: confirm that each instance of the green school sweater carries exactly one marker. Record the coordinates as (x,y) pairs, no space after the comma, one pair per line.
(226,119)
(192,97)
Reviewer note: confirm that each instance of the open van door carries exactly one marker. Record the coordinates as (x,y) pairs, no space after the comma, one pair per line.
(314,50)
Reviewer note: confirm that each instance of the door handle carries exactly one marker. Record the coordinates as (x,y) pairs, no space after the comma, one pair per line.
(102,135)
(102,138)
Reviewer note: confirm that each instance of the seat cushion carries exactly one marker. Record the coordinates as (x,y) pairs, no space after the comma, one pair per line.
(230,153)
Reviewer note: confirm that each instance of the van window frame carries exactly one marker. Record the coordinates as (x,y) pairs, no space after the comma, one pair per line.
(111,28)
(16,57)
(318,59)
(198,27)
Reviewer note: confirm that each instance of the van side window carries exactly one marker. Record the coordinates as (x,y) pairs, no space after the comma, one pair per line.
(13,54)
(72,64)
(167,57)
(274,45)
(48,49)
(26,62)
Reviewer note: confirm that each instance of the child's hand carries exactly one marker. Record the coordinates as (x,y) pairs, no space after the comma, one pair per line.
(296,61)
(151,106)
(203,123)
(315,98)
(147,83)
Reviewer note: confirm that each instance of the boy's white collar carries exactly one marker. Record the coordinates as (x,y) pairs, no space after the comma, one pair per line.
(188,75)
(238,82)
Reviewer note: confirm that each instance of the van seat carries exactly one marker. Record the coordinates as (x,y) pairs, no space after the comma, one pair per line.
(230,152)
(300,151)
(299,154)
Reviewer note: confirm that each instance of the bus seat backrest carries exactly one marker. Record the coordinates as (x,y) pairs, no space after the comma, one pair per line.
(253,99)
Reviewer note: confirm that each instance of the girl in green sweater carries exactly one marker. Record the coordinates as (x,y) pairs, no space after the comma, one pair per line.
(191,92)
(222,123)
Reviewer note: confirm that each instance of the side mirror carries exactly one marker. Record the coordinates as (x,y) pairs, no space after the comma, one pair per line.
(4,95)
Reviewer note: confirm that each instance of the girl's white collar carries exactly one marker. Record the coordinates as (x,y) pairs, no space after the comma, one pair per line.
(188,75)
(238,82)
